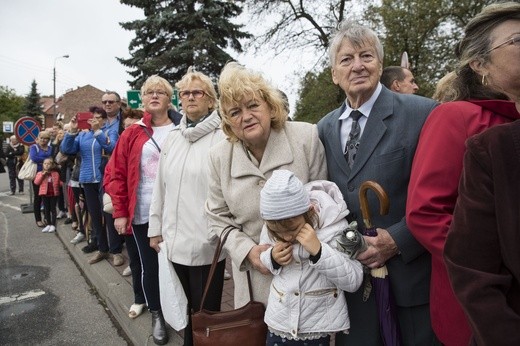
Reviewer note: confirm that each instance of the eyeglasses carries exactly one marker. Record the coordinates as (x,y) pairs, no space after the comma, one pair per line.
(108,102)
(512,41)
(197,94)
(155,92)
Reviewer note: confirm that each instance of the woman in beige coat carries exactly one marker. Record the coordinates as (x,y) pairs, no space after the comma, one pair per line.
(260,140)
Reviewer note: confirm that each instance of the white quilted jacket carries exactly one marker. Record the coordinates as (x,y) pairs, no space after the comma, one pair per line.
(307,298)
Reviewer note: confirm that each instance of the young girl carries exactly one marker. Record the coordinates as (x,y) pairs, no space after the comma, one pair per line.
(306,303)
(50,186)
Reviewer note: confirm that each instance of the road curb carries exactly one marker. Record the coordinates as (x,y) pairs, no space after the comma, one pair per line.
(115,290)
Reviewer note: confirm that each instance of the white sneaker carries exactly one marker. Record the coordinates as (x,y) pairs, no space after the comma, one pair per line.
(51,229)
(78,238)
(46,229)
(61,214)
(127,271)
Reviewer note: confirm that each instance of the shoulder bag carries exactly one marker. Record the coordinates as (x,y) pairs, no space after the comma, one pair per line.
(29,168)
(243,326)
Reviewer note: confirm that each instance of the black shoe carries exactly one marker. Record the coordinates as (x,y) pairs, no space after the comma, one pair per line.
(68,221)
(160,336)
(90,248)
(12,193)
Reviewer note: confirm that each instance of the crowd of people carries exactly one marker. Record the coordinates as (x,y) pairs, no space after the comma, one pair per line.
(284,191)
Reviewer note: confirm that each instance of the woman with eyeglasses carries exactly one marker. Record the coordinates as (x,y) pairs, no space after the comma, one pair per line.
(177,210)
(133,168)
(259,141)
(38,152)
(90,144)
(485,89)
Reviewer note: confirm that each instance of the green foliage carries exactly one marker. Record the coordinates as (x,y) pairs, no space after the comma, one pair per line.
(11,105)
(318,96)
(178,34)
(32,102)
(427,30)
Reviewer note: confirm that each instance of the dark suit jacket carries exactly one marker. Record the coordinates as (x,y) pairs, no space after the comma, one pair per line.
(385,155)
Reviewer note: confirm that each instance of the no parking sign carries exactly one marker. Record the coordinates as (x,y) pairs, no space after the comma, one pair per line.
(26,130)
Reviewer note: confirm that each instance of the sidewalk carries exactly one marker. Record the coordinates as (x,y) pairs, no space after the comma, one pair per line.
(116,291)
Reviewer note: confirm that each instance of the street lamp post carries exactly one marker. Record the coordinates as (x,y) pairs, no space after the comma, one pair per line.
(54,83)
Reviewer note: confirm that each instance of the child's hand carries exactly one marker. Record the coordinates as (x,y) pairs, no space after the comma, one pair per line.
(282,253)
(307,237)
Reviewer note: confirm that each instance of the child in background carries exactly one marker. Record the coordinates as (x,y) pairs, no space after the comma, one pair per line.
(306,303)
(50,186)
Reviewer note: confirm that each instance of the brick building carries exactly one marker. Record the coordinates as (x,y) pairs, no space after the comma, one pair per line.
(72,102)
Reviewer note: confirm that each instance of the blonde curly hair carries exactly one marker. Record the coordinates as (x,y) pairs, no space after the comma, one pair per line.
(236,83)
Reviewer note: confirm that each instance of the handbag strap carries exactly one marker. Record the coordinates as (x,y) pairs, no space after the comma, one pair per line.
(220,245)
(151,137)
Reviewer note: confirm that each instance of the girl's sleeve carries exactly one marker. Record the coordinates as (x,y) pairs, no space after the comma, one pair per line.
(344,272)
(38,178)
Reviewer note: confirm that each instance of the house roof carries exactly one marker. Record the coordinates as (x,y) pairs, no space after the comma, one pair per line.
(46,104)
(78,100)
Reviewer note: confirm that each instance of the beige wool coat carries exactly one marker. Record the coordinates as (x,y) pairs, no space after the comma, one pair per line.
(235,183)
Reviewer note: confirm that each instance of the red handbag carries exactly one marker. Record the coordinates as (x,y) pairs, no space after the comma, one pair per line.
(243,326)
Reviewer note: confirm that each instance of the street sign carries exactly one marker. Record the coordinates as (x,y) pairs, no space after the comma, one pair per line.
(134,99)
(26,129)
(7,126)
(175,98)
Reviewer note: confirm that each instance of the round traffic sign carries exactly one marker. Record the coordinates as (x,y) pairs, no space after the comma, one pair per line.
(26,129)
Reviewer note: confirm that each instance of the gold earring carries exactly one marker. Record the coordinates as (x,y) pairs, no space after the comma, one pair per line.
(484,81)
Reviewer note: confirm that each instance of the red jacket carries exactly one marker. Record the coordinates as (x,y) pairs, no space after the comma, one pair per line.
(432,193)
(124,169)
(42,181)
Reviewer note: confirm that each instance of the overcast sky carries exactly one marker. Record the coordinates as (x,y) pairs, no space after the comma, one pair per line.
(33,33)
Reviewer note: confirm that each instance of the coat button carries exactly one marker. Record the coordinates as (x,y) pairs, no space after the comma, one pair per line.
(261,183)
(351,188)
(296,293)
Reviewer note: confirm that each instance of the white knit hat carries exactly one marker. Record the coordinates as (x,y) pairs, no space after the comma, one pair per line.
(283,197)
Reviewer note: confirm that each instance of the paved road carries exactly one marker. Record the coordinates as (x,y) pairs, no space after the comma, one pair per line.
(44,299)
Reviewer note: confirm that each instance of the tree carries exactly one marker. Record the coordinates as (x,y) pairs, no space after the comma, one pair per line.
(318,96)
(32,102)
(11,105)
(178,34)
(297,24)
(427,30)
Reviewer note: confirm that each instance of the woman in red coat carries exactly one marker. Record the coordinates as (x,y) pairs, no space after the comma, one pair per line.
(488,79)
(132,173)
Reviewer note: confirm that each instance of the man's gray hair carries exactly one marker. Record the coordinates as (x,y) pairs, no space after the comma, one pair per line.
(358,35)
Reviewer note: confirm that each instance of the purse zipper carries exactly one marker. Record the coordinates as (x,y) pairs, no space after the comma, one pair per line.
(227,326)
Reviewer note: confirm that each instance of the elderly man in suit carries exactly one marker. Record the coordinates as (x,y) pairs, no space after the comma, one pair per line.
(373,136)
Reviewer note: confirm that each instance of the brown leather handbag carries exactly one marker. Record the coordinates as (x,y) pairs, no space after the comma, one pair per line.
(243,326)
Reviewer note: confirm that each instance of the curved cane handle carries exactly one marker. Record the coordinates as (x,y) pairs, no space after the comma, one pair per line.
(384,203)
